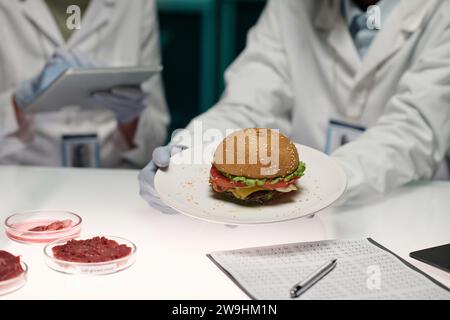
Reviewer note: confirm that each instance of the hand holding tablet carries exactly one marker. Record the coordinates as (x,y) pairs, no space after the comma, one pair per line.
(126,103)
(76,86)
(70,78)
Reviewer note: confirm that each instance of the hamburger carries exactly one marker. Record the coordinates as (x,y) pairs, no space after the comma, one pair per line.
(255,166)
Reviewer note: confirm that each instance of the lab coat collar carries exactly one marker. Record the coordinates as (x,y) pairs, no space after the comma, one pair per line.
(404,20)
(408,17)
(415,12)
(329,19)
(327,14)
(411,17)
(96,16)
(37,13)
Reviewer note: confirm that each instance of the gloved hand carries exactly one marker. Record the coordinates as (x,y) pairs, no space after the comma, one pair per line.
(127,103)
(62,59)
(161,159)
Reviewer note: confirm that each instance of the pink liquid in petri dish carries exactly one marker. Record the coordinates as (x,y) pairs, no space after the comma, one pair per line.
(22,231)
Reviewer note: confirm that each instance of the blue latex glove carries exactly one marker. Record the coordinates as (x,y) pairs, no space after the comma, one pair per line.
(62,59)
(127,103)
(161,159)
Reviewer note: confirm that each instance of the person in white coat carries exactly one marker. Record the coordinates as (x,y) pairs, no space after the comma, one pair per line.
(310,70)
(125,127)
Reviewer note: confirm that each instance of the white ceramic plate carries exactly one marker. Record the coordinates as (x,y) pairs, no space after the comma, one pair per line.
(185,188)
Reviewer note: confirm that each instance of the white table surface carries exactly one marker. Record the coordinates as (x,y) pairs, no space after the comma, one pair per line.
(171,262)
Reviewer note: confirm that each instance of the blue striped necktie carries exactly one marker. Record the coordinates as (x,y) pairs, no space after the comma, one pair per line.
(359,23)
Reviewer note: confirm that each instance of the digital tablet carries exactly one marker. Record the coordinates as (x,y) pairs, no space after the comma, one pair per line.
(438,257)
(75,86)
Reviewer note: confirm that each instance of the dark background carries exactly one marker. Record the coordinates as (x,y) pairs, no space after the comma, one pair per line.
(199,39)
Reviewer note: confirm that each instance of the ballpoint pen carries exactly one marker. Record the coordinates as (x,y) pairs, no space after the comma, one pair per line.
(312,279)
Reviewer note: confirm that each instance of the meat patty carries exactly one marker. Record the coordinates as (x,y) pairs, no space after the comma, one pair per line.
(97,249)
(10,266)
(256,198)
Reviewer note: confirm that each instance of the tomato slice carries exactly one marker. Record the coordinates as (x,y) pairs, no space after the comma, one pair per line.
(218,179)
(223,183)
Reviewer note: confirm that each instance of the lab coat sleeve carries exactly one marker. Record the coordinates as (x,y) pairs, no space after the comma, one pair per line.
(154,120)
(258,87)
(9,143)
(411,138)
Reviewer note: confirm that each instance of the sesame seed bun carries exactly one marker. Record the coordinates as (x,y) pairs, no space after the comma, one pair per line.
(252,153)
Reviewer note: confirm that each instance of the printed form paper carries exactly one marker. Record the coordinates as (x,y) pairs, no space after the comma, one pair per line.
(365,270)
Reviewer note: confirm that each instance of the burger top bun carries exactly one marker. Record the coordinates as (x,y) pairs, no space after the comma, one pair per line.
(256,154)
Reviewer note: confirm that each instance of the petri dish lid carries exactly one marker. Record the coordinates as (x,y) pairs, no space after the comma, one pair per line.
(13,284)
(19,225)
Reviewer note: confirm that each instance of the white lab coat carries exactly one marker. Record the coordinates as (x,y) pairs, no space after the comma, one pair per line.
(300,69)
(114,33)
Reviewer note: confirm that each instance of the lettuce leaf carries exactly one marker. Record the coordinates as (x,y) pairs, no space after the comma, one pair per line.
(299,172)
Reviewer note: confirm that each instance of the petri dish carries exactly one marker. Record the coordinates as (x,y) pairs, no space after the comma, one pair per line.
(11,285)
(90,268)
(19,226)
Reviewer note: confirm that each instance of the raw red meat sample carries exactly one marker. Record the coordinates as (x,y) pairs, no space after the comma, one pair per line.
(57,225)
(9,266)
(97,249)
